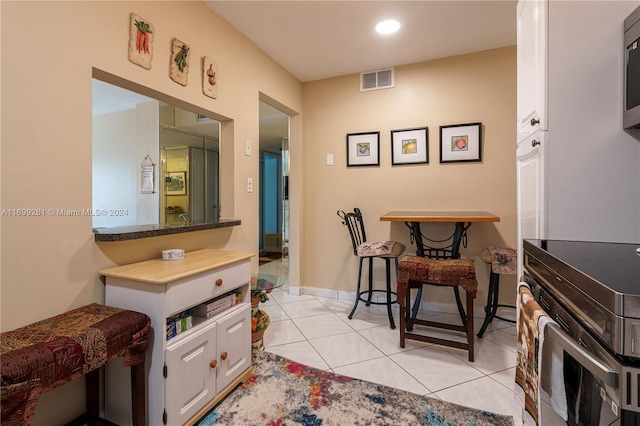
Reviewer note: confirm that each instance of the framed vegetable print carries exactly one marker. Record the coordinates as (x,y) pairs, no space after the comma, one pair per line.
(460,143)
(363,149)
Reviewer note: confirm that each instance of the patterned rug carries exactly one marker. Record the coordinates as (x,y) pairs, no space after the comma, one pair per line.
(284,392)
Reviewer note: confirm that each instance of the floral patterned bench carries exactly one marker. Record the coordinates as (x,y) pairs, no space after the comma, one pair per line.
(44,355)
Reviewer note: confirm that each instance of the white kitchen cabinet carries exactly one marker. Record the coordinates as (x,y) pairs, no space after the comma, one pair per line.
(532,68)
(531,177)
(195,370)
(192,371)
(581,182)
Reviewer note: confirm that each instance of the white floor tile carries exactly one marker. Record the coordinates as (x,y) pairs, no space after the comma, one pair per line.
(343,349)
(305,308)
(434,368)
(388,340)
(502,337)
(282,332)
(366,317)
(339,306)
(274,311)
(506,377)
(385,372)
(321,326)
(301,352)
(482,394)
(489,357)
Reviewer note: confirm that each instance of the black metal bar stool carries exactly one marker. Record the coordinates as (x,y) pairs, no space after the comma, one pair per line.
(386,250)
(503,260)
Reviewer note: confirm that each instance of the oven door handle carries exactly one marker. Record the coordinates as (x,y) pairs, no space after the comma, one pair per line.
(588,361)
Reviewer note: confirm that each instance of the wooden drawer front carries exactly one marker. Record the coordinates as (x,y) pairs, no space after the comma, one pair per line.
(188,292)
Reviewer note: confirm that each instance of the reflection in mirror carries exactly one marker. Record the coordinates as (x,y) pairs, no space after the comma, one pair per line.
(153,163)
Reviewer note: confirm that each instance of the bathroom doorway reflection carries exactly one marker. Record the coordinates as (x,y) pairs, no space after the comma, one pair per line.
(189,170)
(274,193)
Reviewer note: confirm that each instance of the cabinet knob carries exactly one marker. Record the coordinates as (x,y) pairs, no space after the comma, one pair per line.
(223,355)
(534,143)
(534,121)
(213,363)
(219,282)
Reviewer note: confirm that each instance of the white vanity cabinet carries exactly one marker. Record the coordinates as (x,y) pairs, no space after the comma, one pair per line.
(192,371)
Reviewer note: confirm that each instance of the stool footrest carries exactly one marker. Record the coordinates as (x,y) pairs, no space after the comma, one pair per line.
(376,303)
(437,341)
(439,325)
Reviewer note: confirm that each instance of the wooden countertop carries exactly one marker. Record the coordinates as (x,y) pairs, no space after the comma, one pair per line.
(439,216)
(159,271)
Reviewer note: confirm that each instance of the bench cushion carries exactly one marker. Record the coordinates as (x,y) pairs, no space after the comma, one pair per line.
(503,259)
(446,272)
(46,354)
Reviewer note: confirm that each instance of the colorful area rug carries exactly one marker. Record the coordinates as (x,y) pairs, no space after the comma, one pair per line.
(284,392)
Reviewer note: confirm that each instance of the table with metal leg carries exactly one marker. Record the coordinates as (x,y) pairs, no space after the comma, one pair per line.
(448,248)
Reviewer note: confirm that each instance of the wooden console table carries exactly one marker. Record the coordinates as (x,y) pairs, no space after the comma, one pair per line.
(192,371)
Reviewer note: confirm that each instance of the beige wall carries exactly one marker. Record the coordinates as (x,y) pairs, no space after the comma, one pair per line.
(479,87)
(50,264)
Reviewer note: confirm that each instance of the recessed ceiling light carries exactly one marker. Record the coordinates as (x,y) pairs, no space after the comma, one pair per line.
(388,26)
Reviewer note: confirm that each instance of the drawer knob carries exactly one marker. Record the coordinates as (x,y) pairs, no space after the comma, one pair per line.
(223,355)
(219,282)
(534,121)
(213,363)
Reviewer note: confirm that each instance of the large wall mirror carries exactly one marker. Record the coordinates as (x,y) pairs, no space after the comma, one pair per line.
(153,163)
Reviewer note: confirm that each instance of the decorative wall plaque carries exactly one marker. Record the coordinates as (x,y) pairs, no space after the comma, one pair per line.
(209,77)
(141,33)
(179,65)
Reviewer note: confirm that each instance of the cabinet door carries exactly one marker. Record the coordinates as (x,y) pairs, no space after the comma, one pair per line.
(531,175)
(191,380)
(234,345)
(532,36)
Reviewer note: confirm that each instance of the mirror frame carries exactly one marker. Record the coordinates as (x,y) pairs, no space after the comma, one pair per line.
(154,230)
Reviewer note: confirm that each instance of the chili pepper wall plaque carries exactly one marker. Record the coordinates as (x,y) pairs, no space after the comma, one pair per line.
(209,77)
(179,65)
(141,33)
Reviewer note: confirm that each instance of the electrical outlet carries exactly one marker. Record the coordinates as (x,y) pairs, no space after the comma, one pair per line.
(249,185)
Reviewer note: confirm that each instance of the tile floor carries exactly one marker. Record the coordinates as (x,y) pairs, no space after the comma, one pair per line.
(316,331)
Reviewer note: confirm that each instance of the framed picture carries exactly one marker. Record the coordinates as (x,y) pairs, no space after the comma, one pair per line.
(461,142)
(410,146)
(175,183)
(363,149)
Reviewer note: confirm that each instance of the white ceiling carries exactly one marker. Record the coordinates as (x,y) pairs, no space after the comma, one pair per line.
(320,39)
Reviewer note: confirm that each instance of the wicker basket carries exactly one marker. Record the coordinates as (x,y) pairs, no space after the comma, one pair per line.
(264,319)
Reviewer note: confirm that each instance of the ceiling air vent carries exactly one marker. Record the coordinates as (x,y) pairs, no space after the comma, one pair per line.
(374,80)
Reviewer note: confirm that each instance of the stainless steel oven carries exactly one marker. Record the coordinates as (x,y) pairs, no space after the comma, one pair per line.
(592,291)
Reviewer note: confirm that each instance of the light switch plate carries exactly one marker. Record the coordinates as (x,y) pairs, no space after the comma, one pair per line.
(329,159)
(247,148)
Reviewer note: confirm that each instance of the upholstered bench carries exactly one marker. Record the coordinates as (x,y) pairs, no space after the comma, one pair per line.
(503,260)
(416,271)
(44,355)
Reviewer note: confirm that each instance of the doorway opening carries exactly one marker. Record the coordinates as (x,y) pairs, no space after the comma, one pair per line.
(274,192)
